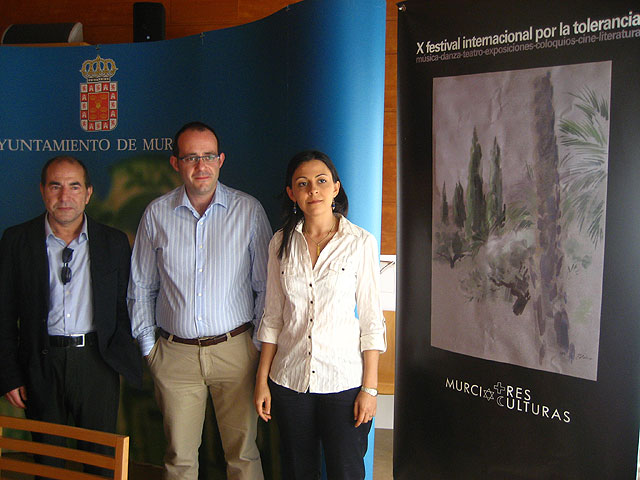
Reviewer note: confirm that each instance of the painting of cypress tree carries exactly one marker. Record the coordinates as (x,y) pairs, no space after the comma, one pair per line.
(476,225)
(518,255)
(459,210)
(496,209)
(445,205)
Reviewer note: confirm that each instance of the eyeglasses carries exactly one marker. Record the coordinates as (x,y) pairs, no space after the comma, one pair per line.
(208,158)
(65,273)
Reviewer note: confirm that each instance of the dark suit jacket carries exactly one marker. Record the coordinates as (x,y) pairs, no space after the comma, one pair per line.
(24,300)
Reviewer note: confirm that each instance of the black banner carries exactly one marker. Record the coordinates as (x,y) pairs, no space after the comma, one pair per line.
(518,267)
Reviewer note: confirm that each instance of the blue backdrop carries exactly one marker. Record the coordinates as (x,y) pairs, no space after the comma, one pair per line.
(309,76)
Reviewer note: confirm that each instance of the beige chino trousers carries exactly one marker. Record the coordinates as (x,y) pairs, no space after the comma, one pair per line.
(183,376)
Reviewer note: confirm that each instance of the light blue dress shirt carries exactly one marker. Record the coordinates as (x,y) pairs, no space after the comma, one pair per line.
(198,276)
(70,305)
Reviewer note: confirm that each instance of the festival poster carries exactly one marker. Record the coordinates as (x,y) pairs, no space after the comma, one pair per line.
(518,273)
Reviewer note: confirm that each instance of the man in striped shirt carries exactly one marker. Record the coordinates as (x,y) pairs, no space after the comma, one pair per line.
(196,294)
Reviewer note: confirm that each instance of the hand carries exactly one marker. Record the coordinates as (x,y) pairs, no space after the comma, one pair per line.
(364,408)
(262,400)
(17,397)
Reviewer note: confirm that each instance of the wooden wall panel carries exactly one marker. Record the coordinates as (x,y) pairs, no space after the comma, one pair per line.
(98,12)
(387,365)
(390,177)
(389,189)
(111,21)
(104,34)
(390,131)
(392,36)
(392,28)
(391,82)
(250,10)
(199,12)
(389,202)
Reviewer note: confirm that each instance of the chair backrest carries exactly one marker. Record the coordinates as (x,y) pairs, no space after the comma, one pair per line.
(118,463)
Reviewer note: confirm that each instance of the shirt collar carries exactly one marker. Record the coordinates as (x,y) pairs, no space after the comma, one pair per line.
(84,232)
(345,227)
(220,197)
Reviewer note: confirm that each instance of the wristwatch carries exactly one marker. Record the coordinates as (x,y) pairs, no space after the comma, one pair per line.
(371,391)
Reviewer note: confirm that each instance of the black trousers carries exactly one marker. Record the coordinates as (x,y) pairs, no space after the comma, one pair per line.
(83,391)
(312,422)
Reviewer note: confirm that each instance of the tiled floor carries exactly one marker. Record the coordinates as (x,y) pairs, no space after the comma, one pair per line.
(383,455)
(382,460)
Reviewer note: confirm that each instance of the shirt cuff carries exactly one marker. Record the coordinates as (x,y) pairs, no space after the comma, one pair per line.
(268,334)
(257,343)
(146,341)
(374,341)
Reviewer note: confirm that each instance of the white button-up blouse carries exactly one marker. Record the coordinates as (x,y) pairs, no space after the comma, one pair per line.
(310,311)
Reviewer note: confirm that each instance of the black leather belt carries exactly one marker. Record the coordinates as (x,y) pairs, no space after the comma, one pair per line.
(77,341)
(207,341)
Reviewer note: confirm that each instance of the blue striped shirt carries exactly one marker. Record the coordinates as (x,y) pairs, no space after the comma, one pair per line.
(197,276)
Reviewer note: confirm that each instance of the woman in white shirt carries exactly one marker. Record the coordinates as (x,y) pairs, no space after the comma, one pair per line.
(319,362)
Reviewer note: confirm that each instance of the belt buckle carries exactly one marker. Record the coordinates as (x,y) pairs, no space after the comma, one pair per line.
(213,340)
(82,336)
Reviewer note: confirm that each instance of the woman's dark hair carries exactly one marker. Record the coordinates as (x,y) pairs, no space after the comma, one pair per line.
(291,219)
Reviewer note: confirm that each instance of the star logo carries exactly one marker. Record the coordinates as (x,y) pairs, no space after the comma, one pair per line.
(488,394)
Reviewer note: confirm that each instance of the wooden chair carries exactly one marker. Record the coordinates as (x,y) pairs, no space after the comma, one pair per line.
(118,463)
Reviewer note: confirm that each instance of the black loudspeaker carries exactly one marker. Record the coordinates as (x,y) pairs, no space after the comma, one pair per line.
(43,33)
(148,21)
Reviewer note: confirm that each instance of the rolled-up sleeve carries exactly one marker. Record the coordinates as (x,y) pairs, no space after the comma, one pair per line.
(259,252)
(272,319)
(372,323)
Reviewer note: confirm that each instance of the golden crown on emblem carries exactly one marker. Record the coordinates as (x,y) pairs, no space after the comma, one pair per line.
(99,69)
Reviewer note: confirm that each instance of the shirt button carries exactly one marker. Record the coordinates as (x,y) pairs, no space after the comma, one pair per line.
(199,318)
(311,319)
(199,294)
(313,371)
(199,246)
(311,301)
(68,315)
(200,270)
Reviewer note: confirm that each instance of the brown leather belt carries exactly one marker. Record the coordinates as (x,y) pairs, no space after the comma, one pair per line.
(207,341)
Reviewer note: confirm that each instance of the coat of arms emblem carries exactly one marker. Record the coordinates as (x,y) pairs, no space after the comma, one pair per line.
(99,95)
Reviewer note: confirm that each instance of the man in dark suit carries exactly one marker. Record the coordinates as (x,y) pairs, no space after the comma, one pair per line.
(65,334)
